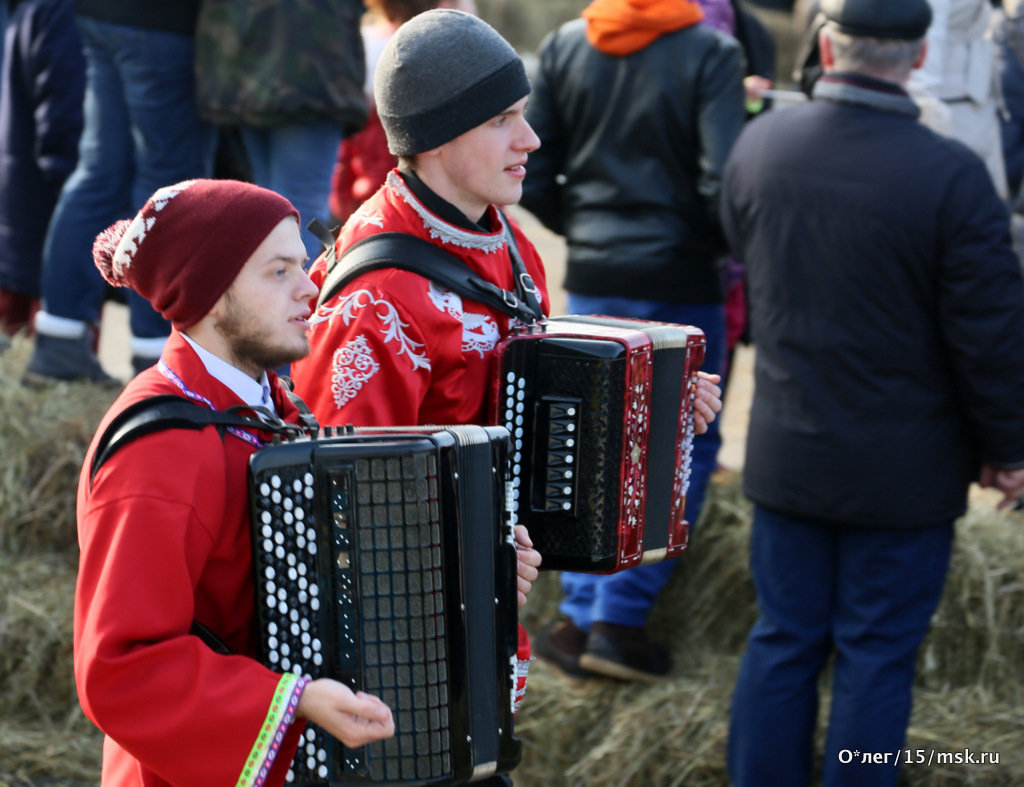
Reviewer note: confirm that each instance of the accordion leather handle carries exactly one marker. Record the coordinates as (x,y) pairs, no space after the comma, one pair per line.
(407,252)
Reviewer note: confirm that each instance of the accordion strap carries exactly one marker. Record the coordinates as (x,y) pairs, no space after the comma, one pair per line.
(407,252)
(168,411)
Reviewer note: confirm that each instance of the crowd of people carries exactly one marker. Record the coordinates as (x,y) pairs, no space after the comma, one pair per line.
(862,239)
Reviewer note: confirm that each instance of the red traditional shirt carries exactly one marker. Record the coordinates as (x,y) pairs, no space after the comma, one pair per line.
(394,349)
(165,540)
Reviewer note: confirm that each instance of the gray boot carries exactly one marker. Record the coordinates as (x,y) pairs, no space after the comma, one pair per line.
(56,358)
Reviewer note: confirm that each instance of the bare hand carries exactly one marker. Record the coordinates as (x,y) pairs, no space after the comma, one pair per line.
(528,562)
(1009,482)
(354,718)
(707,401)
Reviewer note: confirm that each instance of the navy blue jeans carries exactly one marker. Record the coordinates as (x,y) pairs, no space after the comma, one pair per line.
(626,597)
(865,595)
(296,161)
(141,132)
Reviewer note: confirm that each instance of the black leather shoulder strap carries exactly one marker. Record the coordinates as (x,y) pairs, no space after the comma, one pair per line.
(407,252)
(156,413)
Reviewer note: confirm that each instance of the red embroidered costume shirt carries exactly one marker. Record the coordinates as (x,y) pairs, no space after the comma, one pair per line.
(392,348)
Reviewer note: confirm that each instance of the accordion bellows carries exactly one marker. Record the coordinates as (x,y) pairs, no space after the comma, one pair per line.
(600,410)
(374,554)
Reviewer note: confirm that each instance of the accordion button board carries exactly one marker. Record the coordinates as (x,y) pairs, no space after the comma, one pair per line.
(385,561)
(600,410)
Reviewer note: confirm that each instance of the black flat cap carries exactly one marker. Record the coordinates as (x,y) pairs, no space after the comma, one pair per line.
(906,19)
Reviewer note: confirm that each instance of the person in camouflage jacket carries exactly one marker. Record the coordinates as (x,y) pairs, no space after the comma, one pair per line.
(290,77)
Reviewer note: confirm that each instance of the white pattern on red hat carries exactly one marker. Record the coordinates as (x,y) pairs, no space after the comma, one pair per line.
(142,224)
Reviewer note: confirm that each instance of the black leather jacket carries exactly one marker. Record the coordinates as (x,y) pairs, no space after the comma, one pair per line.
(631,159)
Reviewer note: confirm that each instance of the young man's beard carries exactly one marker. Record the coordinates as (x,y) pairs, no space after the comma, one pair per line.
(252,350)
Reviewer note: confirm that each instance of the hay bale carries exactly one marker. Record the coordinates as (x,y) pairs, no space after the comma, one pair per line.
(57,754)
(977,634)
(36,599)
(44,435)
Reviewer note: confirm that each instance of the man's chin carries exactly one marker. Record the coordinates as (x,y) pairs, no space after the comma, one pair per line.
(281,356)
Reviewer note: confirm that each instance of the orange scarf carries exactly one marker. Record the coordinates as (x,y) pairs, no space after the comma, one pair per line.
(621,27)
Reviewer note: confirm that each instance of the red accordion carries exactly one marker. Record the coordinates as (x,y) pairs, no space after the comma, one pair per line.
(600,410)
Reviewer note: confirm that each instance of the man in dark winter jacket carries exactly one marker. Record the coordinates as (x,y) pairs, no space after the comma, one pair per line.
(888,311)
(637,105)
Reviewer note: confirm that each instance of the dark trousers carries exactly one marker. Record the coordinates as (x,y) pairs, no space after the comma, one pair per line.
(866,596)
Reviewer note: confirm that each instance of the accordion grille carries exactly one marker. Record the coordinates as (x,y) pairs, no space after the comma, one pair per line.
(351,562)
(580,464)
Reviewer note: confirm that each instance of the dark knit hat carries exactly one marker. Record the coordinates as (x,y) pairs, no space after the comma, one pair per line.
(188,243)
(900,19)
(442,73)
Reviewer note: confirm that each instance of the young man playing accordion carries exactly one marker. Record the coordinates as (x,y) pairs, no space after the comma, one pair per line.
(392,347)
(164,523)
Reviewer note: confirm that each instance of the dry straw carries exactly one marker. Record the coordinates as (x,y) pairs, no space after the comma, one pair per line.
(44,738)
(969,697)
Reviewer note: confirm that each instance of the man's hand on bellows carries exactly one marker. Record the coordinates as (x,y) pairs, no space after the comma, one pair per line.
(707,401)
(528,562)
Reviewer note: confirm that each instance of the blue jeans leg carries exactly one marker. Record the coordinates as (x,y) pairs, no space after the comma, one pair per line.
(296,161)
(626,597)
(775,702)
(877,633)
(141,132)
(97,192)
(824,588)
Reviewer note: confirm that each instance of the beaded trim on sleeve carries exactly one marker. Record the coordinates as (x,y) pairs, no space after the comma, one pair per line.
(268,744)
(442,230)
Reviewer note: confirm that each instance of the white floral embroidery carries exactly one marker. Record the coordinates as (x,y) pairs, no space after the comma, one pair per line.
(479,331)
(392,326)
(143,222)
(352,366)
(367,215)
(445,300)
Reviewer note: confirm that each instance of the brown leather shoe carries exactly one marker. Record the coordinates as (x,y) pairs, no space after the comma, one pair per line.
(625,653)
(560,644)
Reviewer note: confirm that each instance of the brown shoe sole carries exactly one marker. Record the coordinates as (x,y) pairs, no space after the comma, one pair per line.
(617,670)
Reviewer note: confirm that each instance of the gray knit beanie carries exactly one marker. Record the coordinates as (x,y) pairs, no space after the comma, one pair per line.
(443,73)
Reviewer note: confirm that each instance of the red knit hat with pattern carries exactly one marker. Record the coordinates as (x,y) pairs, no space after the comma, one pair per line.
(188,243)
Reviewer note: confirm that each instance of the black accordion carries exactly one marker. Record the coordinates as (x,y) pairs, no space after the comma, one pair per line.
(600,410)
(385,559)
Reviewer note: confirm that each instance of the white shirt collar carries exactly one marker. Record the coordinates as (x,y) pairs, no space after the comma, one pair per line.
(255,393)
